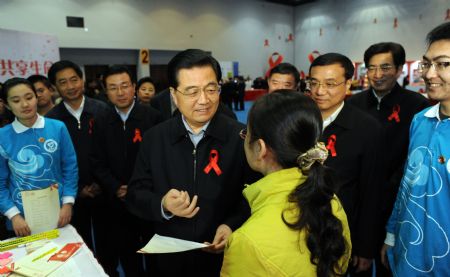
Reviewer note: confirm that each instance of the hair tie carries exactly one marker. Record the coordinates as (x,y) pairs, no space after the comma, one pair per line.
(318,153)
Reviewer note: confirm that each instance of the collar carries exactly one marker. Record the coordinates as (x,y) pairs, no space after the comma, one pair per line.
(333,116)
(76,113)
(124,116)
(346,118)
(378,98)
(284,180)
(20,128)
(433,112)
(218,128)
(189,129)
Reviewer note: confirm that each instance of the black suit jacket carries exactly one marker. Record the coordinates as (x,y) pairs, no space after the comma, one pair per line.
(396,130)
(116,145)
(357,164)
(168,159)
(81,133)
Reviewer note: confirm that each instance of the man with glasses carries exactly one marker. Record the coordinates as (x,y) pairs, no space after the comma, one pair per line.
(191,169)
(353,139)
(417,241)
(78,114)
(117,138)
(394,107)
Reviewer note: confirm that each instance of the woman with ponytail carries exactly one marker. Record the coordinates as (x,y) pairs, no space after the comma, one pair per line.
(298,226)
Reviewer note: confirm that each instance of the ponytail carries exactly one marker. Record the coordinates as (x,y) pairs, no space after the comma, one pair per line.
(324,231)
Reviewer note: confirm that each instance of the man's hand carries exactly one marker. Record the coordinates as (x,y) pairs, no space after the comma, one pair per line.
(384,260)
(361,264)
(220,239)
(65,214)
(122,192)
(179,203)
(20,226)
(90,191)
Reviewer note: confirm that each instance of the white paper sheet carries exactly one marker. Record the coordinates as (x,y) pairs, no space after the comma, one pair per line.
(37,264)
(162,244)
(41,208)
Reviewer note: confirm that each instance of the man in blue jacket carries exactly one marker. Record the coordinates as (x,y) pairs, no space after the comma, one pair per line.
(417,240)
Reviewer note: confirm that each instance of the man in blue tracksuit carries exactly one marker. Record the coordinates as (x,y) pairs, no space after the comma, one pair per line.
(417,240)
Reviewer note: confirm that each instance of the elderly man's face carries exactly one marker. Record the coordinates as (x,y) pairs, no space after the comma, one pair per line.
(197,95)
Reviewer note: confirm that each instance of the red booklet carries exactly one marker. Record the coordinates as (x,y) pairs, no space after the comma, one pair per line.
(66,252)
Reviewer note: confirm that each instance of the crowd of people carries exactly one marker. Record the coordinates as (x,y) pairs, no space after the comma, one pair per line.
(315,184)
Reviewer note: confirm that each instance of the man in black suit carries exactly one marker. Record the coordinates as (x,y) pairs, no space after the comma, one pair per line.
(353,139)
(394,107)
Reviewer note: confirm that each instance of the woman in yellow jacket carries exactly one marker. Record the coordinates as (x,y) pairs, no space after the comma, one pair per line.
(298,226)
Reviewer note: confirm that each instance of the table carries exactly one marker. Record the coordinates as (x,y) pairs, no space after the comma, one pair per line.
(83,263)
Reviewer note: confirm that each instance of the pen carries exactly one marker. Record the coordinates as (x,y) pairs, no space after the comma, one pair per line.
(45,254)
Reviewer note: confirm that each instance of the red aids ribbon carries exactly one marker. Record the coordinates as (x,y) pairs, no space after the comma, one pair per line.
(313,55)
(395,23)
(273,63)
(331,145)
(447,17)
(137,135)
(395,114)
(213,159)
(266,42)
(91,126)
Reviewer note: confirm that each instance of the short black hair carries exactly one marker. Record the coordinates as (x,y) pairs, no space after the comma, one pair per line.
(9,84)
(286,68)
(144,80)
(188,59)
(441,32)
(117,69)
(397,51)
(61,65)
(335,58)
(40,78)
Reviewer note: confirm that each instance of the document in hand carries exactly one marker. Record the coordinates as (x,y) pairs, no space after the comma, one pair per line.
(162,244)
(41,208)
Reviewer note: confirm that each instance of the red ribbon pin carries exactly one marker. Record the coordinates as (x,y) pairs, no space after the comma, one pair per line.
(91,126)
(331,145)
(213,159)
(395,114)
(137,135)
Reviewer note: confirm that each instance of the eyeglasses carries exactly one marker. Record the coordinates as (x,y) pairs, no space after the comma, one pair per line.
(243,133)
(438,66)
(314,84)
(194,92)
(383,68)
(122,87)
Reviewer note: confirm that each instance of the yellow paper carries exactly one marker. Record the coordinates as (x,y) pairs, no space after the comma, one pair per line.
(41,208)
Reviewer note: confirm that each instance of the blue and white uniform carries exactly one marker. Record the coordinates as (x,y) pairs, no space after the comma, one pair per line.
(34,158)
(419,226)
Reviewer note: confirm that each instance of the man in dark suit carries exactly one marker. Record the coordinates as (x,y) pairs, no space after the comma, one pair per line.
(353,139)
(191,169)
(78,113)
(117,138)
(394,107)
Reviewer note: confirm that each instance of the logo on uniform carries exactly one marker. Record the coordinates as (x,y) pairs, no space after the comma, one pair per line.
(50,145)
